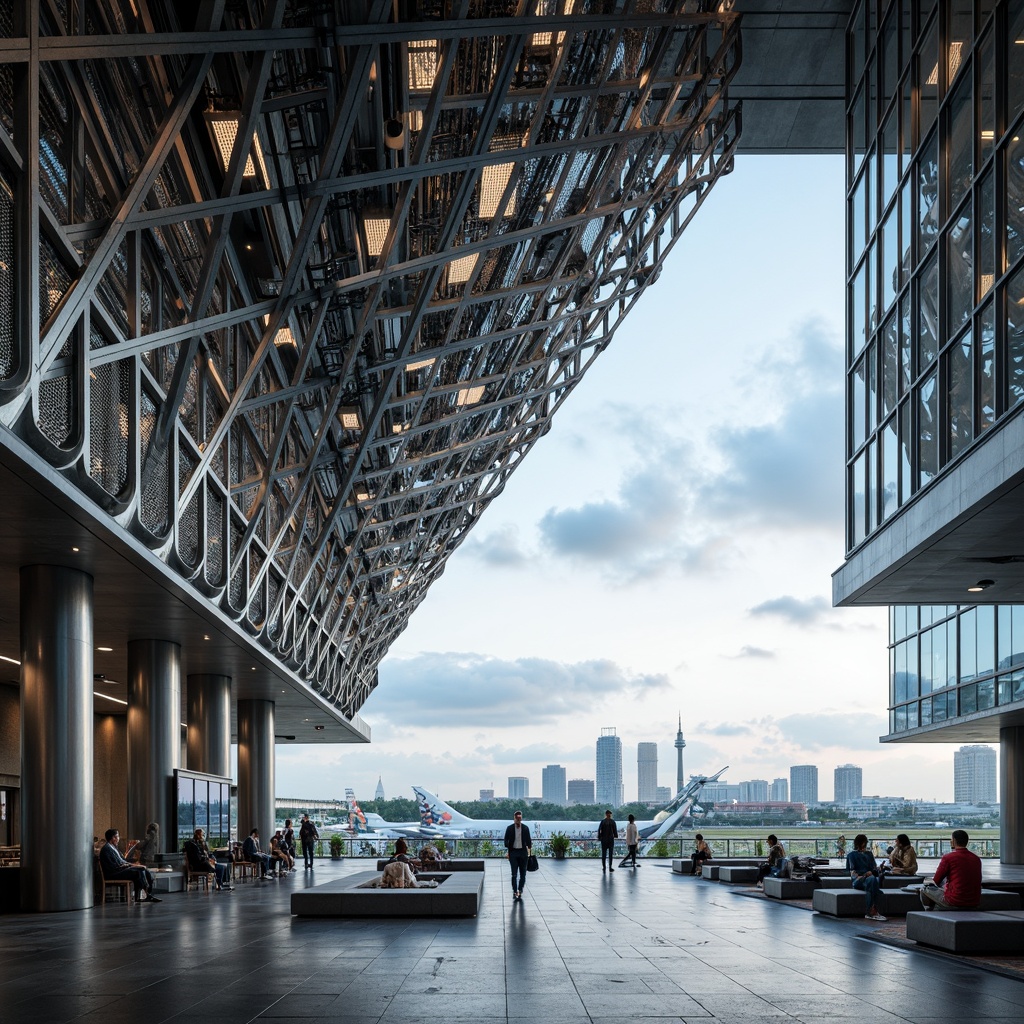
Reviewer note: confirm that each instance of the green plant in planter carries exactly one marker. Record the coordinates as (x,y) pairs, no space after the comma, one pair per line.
(659,849)
(560,845)
(337,846)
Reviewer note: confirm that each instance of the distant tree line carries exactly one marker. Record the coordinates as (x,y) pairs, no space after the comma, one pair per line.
(408,810)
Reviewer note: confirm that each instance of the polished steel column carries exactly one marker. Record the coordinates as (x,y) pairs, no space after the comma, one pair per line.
(1011,795)
(256,769)
(56,738)
(154,738)
(209,724)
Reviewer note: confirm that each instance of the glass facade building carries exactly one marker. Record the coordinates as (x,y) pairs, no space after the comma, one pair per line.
(803,784)
(935,243)
(609,769)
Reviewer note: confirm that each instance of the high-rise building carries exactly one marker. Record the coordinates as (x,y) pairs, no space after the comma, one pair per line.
(754,792)
(680,744)
(379,792)
(518,787)
(974,774)
(581,791)
(486,795)
(646,772)
(780,791)
(609,768)
(849,784)
(720,792)
(663,794)
(934,422)
(552,784)
(803,784)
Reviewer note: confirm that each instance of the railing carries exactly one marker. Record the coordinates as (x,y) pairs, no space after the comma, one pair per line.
(928,847)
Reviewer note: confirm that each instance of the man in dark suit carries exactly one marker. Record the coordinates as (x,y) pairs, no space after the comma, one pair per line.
(608,832)
(201,860)
(114,866)
(518,844)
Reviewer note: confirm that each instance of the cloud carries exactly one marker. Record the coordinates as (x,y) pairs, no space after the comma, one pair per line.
(724,729)
(500,548)
(533,753)
(797,611)
(452,689)
(816,730)
(749,651)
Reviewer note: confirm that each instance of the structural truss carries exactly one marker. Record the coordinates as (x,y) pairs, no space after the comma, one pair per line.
(288,289)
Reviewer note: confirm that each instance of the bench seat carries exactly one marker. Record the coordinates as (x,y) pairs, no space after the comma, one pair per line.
(896,902)
(465,864)
(458,895)
(737,873)
(968,931)
(683,866)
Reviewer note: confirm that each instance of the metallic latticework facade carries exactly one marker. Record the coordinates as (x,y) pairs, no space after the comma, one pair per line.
(936,242)
(289,287)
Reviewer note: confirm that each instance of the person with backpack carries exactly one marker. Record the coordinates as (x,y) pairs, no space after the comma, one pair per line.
(308,835)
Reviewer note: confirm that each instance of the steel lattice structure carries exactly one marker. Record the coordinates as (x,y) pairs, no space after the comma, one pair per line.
(289,289)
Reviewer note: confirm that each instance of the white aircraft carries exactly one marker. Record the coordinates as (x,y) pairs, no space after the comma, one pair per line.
(439,820)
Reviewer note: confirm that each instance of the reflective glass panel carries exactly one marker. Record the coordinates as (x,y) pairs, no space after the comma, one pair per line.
(960,268)
(871,367)
(890,469)
(890,157)
(890,364)
(1017,615)
(986,639)
(857,493)
(960,412)
(890,259)
(1015,61)
(1015,337)
(857,414)
(968,646)
(1005,637)
(986,234)
(985,59)
(926,662)
(1014,198)
(987,377)
(961,142)
(906,448)
(938,673)
(927,195)
(1017,679)
(928,80)
(928,319)
(968,699)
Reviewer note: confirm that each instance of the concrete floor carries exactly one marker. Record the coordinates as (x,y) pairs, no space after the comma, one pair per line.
(581,946)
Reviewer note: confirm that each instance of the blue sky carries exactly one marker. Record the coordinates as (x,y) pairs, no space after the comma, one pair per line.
(666,548)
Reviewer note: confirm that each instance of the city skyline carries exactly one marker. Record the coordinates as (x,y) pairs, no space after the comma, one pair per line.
(673,541)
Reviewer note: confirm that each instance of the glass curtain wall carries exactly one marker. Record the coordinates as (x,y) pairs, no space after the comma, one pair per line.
(948,661)
(935,207)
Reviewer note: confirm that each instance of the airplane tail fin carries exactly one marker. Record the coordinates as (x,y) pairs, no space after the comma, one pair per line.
(681,806)
(434,811)
(356,818)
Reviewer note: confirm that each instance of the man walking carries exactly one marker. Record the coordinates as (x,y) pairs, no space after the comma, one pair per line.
(308,835)
(608,832)
(957,881)
(518,843)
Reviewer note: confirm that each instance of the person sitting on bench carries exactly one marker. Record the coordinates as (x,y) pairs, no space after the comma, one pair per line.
(864,875)
(778,863)
(116,868)
(700,855)
(960,870)
(202,861)
(902,858)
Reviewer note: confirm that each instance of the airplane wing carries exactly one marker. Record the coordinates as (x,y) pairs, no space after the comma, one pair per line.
(683,805)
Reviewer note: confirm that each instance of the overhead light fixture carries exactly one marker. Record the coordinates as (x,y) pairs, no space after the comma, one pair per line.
(985,281)
(11,661)
(206,636)
(980,586)
(284,337)
(540,40)
(376,228)
(424,58)
(106,696)
(105,650)
(494,179)
(421,364)
(224,128)
(414,120)
(350,419)
(956,50)
(319,728)
(76,550)
(461,270)
(470,396)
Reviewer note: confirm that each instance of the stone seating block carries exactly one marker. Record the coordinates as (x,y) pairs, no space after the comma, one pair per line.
(734,873)
(849,902)
(682,867)
(788,888)
(466,864)
(458,895)
(709,871)
(967,931)
(888,881)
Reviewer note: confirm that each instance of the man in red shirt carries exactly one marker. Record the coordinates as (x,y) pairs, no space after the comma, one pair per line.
(961,871)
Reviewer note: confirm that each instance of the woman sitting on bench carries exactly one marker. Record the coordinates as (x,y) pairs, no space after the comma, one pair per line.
(700,855)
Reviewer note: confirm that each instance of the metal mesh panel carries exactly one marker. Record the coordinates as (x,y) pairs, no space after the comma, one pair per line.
(55,412)
(109,395)
(53,121)
(153,510)
(6,277)
(214,537)
(54,280)
(7,71)
(188,532)
(257,606)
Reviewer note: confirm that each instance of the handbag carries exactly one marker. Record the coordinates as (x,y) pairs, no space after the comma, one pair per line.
(531,863)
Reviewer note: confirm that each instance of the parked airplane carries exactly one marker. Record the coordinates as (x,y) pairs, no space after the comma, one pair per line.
(446,822)
(368,825)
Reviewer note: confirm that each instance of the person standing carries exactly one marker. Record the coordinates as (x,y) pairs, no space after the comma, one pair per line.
(957,881)
(608,832)
(518,843)
(632,841)
(308,835)
(114,867)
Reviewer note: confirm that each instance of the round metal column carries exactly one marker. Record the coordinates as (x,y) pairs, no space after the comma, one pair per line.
(154,738)
(256,768)
(209,724)
(56,738)
(1011,795)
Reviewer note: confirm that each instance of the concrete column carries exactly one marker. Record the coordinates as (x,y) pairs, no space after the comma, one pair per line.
(209,724)
(256,768)
(154,738)
(56,738)
(1011,795)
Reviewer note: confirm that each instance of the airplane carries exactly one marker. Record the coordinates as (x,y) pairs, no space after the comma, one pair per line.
(369,825)
(449,823)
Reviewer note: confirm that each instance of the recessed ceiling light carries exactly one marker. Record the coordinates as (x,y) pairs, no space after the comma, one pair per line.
(206,636)
(319,728)
(106,650)
(11,660)
(980,586)
(74,549)
(106,696)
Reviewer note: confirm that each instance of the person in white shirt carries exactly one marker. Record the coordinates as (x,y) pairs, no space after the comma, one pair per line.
(632,841)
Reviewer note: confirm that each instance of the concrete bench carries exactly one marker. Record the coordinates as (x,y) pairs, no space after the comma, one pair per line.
(709,871)
(466,864)
(737,873)
(849,902)
(458,895)
(968,931)
(684,865)
(801,889)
